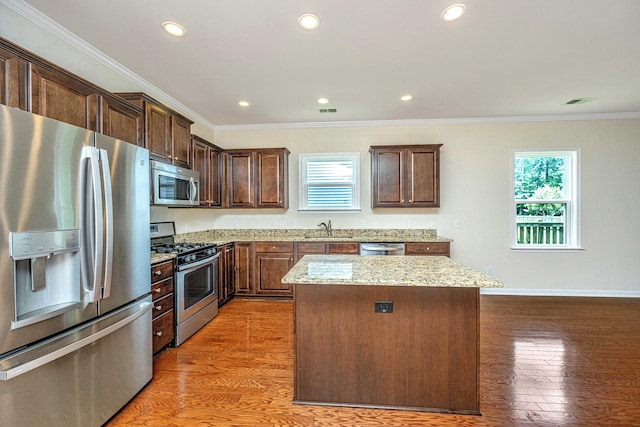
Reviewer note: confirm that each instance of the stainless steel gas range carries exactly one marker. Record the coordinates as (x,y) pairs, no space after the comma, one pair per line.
(196,279)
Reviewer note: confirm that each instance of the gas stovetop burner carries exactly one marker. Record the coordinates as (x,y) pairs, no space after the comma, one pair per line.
(179,248)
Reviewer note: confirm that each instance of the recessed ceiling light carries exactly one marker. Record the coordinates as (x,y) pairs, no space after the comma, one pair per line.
(309,21)
(406,97)
(323,101)
(174,29)
(244,103)
(453,12)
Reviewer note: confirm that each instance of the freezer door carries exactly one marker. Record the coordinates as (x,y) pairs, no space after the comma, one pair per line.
(82,377)
(129,172)
(41,166)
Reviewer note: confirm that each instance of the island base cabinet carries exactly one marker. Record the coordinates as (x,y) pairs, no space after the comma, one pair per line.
(421,356)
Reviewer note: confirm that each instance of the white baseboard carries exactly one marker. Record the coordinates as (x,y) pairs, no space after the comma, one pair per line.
(559,293)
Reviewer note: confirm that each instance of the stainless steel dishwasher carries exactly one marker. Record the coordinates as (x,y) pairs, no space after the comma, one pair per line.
(367,249)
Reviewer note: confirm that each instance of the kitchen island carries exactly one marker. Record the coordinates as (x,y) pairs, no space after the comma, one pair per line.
(387,332)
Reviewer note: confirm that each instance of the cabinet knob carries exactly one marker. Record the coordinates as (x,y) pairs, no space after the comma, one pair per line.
(157,272)
(158,307)
(157,290)
(159,333)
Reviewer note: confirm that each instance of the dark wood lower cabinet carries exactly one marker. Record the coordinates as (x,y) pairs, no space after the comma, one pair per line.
(226,284)
(273,261)
(423,355)
(243,268)
(163,305)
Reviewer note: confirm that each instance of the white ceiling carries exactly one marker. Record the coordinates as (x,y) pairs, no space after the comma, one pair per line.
(503,58)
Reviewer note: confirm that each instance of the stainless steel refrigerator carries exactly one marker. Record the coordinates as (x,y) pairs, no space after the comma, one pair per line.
(75,310)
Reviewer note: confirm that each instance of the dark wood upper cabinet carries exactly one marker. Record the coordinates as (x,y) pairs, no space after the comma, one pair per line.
(59,97)
(165,133)
(207,160)
(12,79)
(34,84)
(121,120)
(257,178)
(405,176)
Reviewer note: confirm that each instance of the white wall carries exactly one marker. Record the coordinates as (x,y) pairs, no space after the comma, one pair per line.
(474,183)
(475,186)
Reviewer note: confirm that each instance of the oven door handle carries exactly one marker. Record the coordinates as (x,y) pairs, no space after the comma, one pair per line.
(197,264)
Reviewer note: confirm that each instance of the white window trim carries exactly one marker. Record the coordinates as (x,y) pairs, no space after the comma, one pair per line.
(302,194)
(573,205)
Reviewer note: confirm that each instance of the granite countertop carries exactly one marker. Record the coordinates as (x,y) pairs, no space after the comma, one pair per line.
(435,271)
(223,236)
(158,258)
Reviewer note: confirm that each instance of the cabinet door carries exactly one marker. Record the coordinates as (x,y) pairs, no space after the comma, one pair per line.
(59,97)
(240,180)
(120,121)
(229,256)
(270,269)
(215,177)
(181,141)
(423,177)
(387,182)
(272,179)
(243,273)
(158,132)
(200,164)
(12,82)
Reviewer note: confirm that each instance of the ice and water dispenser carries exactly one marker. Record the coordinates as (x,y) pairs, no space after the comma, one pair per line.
(46,266)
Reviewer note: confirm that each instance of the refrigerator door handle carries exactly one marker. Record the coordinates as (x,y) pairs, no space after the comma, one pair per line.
(93,294)
(108,223)
(21,363)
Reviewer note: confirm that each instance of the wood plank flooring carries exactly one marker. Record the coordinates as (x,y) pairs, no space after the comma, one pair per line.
(545,361)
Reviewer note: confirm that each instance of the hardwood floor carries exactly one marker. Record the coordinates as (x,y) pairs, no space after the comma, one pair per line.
(545,361)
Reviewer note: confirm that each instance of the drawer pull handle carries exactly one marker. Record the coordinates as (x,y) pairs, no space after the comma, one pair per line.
(159,333)
(157,272)
(157,290)
(158,307)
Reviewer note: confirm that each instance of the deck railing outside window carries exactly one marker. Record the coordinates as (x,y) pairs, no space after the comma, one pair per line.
(540,230)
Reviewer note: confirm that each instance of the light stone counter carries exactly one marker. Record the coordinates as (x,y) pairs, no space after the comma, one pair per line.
(158,258)
(223,236)
(431,271)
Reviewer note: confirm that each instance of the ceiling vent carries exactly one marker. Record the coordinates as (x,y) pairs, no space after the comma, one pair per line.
(578,101)
(328,110)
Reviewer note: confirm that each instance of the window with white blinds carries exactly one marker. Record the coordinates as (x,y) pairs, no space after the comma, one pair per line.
(329,181)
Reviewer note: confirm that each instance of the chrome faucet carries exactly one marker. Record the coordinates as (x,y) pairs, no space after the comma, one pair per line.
(327,227)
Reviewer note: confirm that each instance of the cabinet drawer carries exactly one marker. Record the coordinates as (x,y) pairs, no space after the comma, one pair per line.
(161,288)
(162,328)
(428,248)
(311,248)
(274,247)
(162,305)
(344,248)
(161,271)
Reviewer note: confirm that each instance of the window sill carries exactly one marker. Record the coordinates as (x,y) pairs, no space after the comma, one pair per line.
(355,210)
(547,249)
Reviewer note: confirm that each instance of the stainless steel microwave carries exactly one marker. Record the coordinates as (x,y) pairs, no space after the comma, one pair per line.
(174,186)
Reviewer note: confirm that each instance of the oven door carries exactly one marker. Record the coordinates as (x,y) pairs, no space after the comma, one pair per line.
(196,286)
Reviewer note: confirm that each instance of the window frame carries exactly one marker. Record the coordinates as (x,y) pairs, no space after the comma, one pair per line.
(571,200)
(304,158)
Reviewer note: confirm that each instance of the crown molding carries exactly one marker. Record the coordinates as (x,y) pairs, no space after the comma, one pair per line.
(48,24)
(425,122)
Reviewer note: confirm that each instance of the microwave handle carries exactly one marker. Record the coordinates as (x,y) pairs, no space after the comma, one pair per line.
(194,191)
